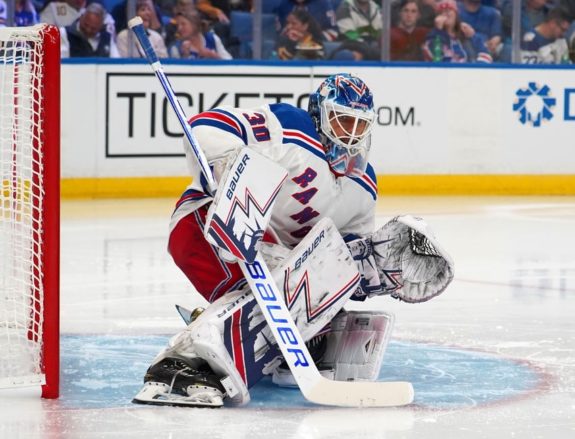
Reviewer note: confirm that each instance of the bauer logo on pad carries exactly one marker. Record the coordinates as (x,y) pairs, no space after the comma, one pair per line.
(242,208)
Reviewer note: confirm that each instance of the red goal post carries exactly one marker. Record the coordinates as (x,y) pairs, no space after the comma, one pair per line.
(30,207)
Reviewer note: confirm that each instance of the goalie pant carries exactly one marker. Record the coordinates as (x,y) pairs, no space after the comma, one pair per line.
(210,275)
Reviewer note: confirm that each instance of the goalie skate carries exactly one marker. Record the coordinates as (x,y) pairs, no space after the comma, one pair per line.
(175,382)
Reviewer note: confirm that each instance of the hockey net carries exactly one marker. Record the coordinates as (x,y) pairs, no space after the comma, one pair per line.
(29,207)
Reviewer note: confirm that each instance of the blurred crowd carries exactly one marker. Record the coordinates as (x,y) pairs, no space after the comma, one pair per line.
(454,31)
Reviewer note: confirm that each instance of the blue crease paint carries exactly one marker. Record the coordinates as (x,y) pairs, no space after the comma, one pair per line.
(106,371)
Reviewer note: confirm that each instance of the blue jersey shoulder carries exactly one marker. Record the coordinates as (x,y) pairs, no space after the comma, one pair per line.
(298,128)
(294,118)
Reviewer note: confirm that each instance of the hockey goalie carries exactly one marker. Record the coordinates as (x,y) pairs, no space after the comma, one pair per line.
(320,243)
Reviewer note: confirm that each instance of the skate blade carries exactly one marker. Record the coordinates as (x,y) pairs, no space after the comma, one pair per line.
(158,394)
(176,403)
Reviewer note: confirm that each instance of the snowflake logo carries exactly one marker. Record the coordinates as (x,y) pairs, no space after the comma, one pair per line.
(534,104)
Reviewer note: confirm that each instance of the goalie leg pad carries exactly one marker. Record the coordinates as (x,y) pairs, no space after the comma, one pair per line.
(317,278)
(232,335)
(313,290)
(210,337)
(356,344)
(283,376)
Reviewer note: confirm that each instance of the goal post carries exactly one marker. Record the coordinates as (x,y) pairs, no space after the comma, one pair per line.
(30,207)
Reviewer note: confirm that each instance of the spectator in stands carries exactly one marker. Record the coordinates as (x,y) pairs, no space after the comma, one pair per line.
(3,13)
(87,36)
(145,10)
(120,15)
(568,9)
(360,21)
(24,13)
(165,7)
(426,12)
(546,43)
(301,37)
(322,10)
(217,12)
(533,13)
(353,51)
(185,7)
(193,43)
(180,7)
(568,6)
(486,21)
(453,41)
(407,38)
(64,13)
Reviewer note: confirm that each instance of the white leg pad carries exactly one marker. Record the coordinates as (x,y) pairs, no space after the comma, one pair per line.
(220,361)
(356,344)
(203,338)
(316,279)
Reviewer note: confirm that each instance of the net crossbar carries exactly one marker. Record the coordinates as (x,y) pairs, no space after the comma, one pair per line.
(23,204)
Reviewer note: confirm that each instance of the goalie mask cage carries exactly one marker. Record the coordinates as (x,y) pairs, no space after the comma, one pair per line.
(29,207)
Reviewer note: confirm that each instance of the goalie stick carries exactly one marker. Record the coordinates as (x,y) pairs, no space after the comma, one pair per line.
(312,384)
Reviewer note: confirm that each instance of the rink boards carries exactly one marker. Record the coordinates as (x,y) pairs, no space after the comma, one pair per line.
(439,129)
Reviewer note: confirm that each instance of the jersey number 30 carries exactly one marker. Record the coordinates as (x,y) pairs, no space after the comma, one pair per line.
(258,123)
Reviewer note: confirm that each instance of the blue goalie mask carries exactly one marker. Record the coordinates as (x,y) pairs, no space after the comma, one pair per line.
(342,110)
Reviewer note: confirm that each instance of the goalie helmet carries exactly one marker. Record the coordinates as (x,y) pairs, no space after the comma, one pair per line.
(342,111)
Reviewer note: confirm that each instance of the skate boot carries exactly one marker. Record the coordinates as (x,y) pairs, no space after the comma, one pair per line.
(175,382)
(189,316)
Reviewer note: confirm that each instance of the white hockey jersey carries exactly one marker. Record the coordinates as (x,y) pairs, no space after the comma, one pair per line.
(286,135)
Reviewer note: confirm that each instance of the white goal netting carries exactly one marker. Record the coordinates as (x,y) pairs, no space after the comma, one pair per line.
(21,202)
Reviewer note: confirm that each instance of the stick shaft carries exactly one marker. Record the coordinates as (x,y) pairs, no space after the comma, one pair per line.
(138,28)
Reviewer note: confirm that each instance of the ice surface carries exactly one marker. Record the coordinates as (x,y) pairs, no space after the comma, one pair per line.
(493,357)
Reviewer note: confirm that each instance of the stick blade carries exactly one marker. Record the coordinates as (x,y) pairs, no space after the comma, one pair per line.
(360,393)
